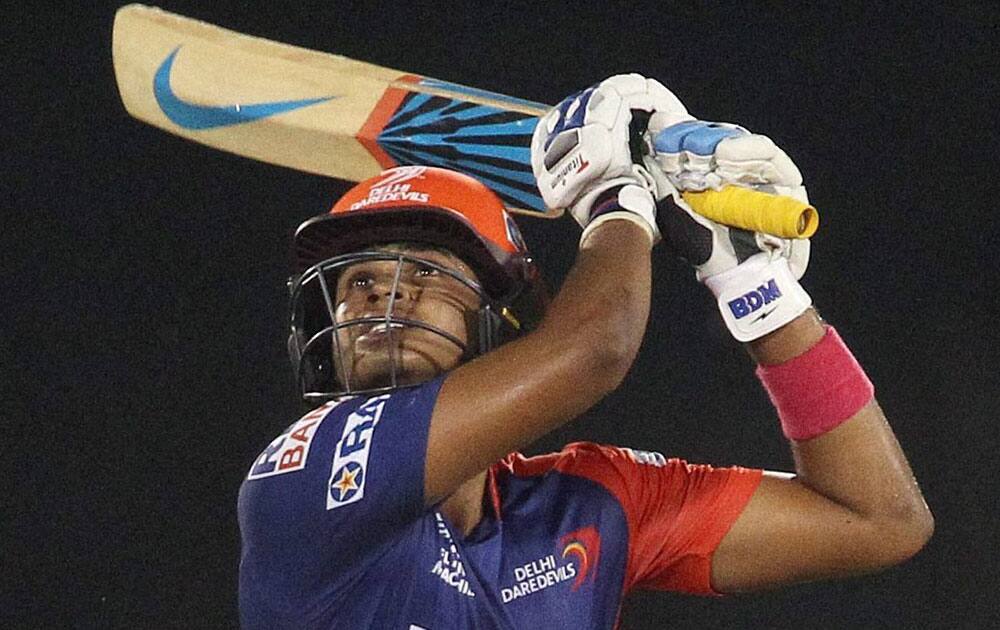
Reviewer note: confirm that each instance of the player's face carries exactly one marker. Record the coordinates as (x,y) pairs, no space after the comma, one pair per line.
(372,351)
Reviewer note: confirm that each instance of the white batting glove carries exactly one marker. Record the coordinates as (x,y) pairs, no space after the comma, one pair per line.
(582,160)
(754,276)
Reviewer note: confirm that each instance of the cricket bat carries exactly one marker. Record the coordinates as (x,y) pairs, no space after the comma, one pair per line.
(330,115)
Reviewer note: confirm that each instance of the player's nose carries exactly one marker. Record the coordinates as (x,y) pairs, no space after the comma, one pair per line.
(390,289)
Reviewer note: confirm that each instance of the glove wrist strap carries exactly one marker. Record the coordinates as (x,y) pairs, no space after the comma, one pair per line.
(618,215)
(758,296)
(629,202)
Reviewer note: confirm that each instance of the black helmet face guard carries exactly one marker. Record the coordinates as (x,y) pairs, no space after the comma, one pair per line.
(314,343)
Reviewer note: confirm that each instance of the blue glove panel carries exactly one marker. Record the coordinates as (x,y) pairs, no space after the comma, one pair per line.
(576,120)
(697,136)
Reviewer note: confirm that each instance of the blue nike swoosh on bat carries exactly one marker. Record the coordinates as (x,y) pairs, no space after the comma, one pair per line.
(191,116)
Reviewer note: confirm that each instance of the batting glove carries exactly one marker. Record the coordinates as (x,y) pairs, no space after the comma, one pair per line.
(754,276)
(582,160)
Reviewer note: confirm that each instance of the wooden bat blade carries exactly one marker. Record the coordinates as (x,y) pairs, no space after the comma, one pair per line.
(330,115)
(314,111)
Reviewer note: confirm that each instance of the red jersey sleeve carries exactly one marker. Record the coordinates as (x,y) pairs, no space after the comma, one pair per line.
(677,513)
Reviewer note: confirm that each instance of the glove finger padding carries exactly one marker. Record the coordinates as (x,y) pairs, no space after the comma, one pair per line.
(686,151)
(581,147)
(754,160)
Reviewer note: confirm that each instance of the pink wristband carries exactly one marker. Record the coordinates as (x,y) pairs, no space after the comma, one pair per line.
(817,391)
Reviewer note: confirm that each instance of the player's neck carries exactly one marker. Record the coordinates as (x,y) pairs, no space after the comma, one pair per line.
(464,508)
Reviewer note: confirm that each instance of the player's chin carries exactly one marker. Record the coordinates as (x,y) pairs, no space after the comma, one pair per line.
(414,363)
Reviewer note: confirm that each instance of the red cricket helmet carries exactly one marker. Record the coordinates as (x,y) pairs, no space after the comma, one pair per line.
(413,204)
(429,205)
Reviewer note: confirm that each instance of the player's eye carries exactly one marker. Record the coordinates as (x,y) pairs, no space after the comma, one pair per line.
(360,281)
(426,271)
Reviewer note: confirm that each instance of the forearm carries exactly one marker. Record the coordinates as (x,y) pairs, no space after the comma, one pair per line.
(603,305)
(859,464)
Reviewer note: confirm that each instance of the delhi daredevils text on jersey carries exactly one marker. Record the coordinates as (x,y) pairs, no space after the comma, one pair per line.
(336,534)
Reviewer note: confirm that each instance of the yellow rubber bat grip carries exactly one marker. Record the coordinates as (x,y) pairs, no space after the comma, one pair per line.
(756,211)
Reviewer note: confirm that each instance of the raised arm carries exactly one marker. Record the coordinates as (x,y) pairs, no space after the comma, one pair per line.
(852,507)
(504,400)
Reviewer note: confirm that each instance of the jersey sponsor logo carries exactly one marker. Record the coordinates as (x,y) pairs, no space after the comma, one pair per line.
(350,461)
(449,566)
(752,302)
(577,559)
(287,452)
(650,458)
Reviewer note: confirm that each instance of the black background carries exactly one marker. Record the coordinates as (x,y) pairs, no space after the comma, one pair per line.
(144,302)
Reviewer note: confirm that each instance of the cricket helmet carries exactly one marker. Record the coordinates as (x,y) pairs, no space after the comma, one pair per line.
(420,205)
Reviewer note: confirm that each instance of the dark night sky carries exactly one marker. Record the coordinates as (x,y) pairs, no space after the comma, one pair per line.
(144,302)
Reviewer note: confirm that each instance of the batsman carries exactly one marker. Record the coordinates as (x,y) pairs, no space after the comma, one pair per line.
(425,340)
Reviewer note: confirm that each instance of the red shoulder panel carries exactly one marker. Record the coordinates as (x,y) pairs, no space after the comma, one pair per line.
(677,513)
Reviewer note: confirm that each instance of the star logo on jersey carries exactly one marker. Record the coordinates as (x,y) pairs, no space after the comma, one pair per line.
(347,481)
(584,545)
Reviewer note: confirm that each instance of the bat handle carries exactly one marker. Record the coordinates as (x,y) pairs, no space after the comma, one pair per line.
(756,211)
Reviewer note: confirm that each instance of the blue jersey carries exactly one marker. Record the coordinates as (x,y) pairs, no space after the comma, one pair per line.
(336,534)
